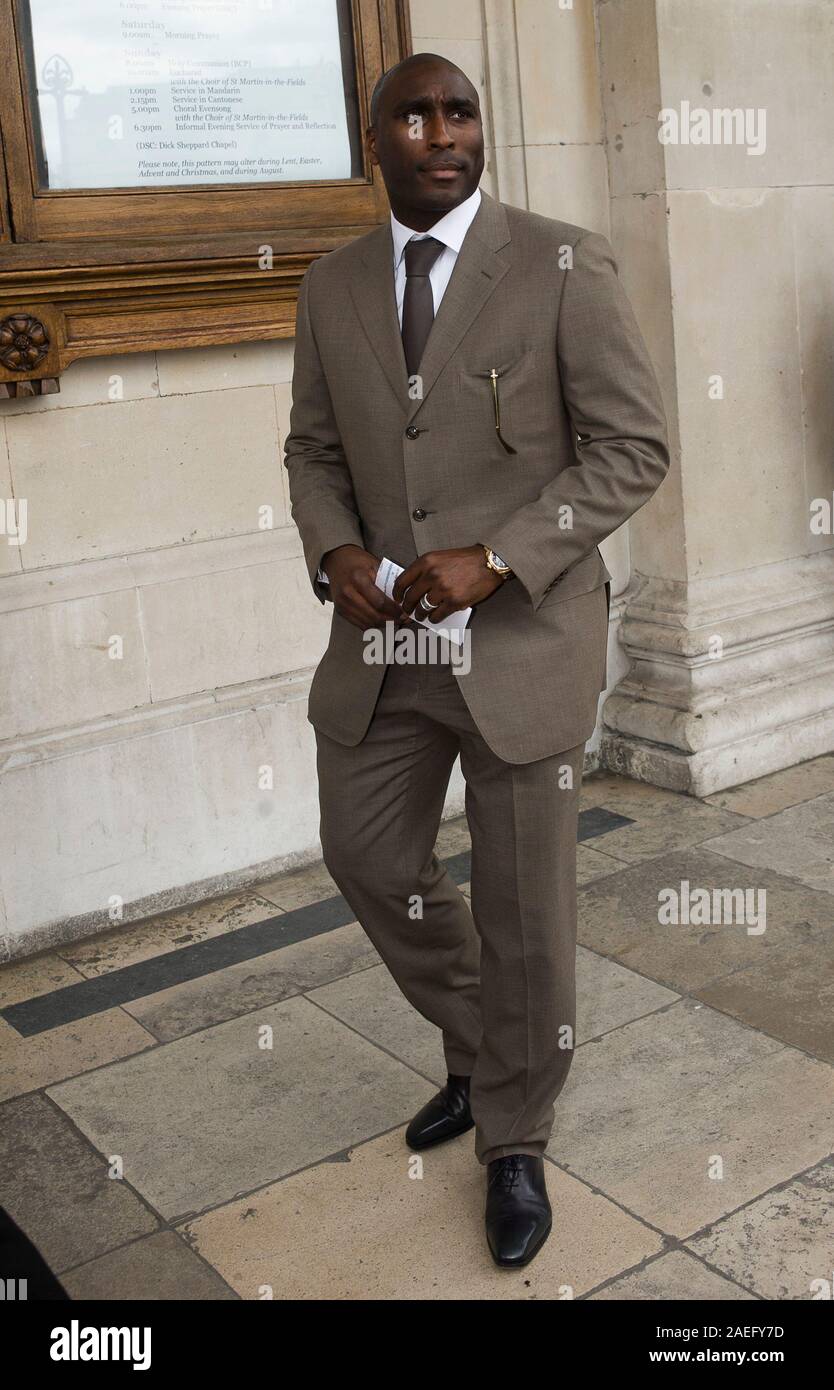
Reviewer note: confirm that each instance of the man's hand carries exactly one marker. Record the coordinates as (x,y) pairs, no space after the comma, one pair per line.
(452,579)
(352,572)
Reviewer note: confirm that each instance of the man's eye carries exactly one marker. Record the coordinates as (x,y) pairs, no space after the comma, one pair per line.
(456,111)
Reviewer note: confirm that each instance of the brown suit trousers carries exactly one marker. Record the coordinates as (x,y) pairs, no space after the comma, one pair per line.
(500,984)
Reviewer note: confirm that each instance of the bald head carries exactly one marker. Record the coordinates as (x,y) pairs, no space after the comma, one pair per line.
(425,134)
(405,64)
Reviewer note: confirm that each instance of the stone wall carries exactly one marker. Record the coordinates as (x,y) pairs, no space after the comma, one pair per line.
(730,619)
(158,620)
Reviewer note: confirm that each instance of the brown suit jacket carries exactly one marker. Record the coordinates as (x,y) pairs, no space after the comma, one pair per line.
(541,302)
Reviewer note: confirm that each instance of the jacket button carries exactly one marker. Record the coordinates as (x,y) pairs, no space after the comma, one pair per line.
(412,432)
(419,514)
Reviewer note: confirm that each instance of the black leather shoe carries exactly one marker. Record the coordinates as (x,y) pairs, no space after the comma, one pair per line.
(443,1117)
(518,1212)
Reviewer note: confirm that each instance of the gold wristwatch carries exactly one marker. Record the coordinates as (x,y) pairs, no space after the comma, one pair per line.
(495,563)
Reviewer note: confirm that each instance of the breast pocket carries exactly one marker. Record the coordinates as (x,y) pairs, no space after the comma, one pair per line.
(495,395)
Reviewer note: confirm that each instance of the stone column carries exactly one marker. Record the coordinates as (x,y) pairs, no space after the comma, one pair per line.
(725,250)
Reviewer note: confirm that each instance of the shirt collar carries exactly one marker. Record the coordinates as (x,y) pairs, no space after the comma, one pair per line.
(450,229)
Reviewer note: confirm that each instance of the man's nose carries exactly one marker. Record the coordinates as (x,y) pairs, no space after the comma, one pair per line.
(438,132)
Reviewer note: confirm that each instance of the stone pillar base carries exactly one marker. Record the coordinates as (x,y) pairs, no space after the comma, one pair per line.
(731,678)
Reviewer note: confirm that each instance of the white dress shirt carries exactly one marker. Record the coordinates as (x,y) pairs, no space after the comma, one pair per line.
(451,230)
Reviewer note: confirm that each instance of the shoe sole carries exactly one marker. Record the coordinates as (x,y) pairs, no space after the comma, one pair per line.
(531,1254)
(444,1138)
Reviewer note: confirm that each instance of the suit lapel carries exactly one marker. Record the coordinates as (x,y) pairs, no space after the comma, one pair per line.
(477,273)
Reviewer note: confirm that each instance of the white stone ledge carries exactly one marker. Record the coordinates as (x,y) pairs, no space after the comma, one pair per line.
(87,578)
(150,720)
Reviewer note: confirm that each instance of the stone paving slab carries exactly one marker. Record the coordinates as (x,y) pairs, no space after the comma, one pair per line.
(798,843)
(608,995)
(638,800)
(134,942)
(160,1267)
(30,1063)
(23,979)
(646,1109)
(453,837)
(790,995)
(365,1229)
(58,1189)
(293,969)
(661,832)
(781,1245)
(300,888)
(675,1277)
(767,795)
(592,864)
(209,1116)
(618,916)
(370,1002)
(195,961)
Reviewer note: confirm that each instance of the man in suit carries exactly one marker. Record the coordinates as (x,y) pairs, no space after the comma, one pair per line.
(473,400)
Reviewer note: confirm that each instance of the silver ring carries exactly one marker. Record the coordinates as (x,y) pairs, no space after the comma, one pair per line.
(425,604)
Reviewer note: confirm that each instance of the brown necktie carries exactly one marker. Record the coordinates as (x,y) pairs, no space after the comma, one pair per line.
(418,304)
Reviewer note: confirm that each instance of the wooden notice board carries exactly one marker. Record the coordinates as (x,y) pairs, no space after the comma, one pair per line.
(170,168)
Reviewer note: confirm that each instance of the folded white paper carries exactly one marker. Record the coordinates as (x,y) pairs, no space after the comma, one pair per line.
(452,626)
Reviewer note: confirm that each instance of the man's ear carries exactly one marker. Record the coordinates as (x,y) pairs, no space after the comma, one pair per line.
(370,144)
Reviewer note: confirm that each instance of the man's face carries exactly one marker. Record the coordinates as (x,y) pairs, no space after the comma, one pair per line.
(428,140)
